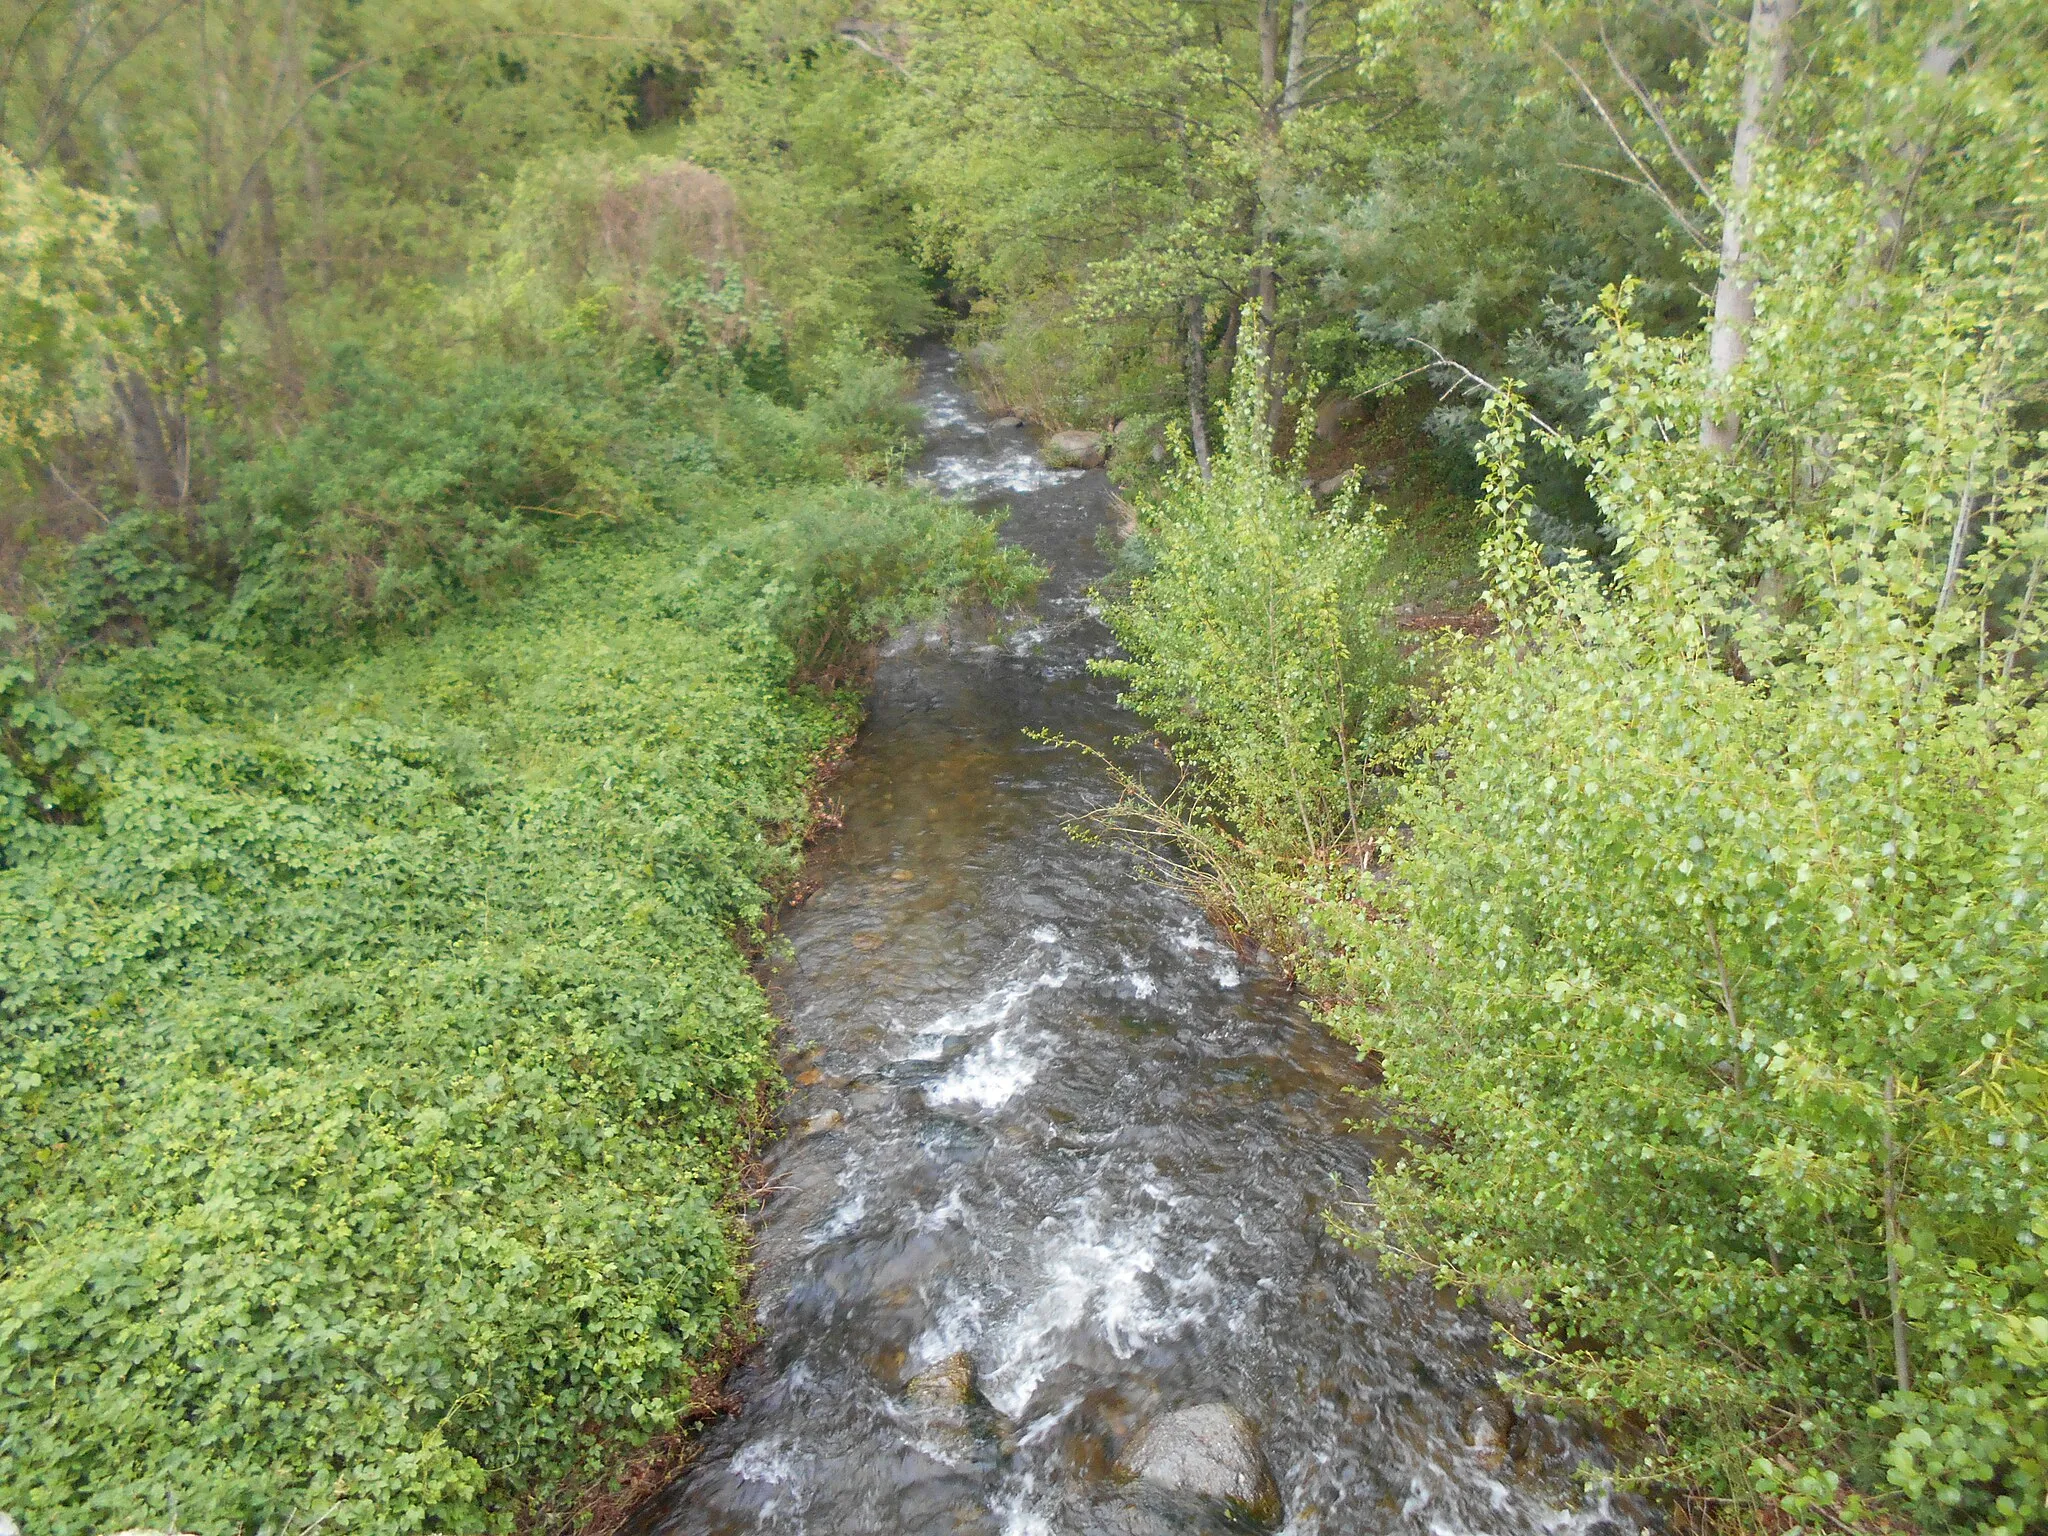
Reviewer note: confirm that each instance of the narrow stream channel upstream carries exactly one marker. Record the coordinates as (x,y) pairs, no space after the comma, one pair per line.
(1049,1122)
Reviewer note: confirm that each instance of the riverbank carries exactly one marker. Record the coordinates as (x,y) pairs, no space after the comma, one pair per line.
(387,1053)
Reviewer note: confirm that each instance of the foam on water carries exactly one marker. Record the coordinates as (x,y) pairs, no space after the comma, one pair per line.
(1101,1285)
(1015,467)
(1051,1119)
(989,1076)
(998,1005)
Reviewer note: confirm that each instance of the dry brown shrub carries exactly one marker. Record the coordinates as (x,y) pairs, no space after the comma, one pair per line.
(664,224)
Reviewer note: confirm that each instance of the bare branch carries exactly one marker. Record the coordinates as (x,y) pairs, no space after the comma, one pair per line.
(1649,177)
(1561,439)
(856,33)
(47,136)
(1656,115)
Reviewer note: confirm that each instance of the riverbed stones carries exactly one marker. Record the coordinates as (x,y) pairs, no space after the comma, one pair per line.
(952,1420)
(819,1124)
(1211,1450)
(1075,450)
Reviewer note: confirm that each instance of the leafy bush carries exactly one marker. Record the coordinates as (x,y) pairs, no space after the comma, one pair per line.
(50,766)
(1716,970)
(832,575)
(133,579)
(71,309)
(397,503)
(1255,648)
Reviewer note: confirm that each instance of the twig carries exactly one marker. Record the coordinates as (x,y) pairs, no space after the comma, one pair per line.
(1490,387)
(1649,177)
(1656,115)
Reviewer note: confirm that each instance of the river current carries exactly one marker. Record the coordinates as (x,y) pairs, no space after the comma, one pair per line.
(1047,1120)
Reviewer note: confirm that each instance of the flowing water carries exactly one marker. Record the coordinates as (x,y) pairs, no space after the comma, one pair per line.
(1048,1120)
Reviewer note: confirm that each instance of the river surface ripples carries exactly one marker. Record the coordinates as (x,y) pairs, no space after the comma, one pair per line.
(1047,1119)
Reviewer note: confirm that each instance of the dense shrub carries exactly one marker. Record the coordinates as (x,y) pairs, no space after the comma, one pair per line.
(1254,646)
(397,503)
(1714,968)
(831,576)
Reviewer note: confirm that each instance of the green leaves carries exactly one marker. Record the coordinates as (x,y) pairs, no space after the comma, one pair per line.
(377,1065)
(1721,943)
(1254,646)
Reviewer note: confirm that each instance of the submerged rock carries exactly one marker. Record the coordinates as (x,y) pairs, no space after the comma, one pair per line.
(953,1421)
(1488,1430)
(1075,450)
(949,1384)
(1211,1450)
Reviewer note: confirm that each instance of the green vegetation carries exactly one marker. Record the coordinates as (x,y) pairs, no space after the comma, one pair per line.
(382,1058)
(1255,606)
(439,536)
(451,456)
(1696,917)
(383,1062)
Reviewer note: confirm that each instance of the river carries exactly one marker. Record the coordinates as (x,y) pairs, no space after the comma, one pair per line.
(1047,1120)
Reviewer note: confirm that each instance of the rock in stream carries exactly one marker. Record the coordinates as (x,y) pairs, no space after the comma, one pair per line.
(1211,1450)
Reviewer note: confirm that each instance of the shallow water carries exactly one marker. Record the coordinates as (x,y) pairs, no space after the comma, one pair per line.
(1048,1118)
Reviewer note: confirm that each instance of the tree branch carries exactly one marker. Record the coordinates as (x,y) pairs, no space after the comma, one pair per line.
(1649,177)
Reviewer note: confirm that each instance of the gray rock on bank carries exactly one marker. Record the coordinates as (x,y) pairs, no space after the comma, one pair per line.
(1211,1450)
(1075,450)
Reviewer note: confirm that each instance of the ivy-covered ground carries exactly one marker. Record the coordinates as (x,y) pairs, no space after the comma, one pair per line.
(381,1053)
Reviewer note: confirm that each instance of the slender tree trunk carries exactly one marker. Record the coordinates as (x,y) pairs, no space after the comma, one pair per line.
(1198,382)
(1267,282)
(1763,79)
(1297,49)
(272,296)
(1281,95)
(1902,1360)
(1937,60)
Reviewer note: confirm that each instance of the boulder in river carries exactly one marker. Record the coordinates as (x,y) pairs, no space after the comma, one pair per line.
(1211,1450)
(1007,421)
(1075,450)
(954,1421)
(1488,1430)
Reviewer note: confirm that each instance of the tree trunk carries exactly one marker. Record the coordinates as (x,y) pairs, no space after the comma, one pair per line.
(1282,95)
(1937,60)
(1902,1360)
(272,297)
(1198,383)
(1297,49)
(151,431)
(1763,79)
(1266,281)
